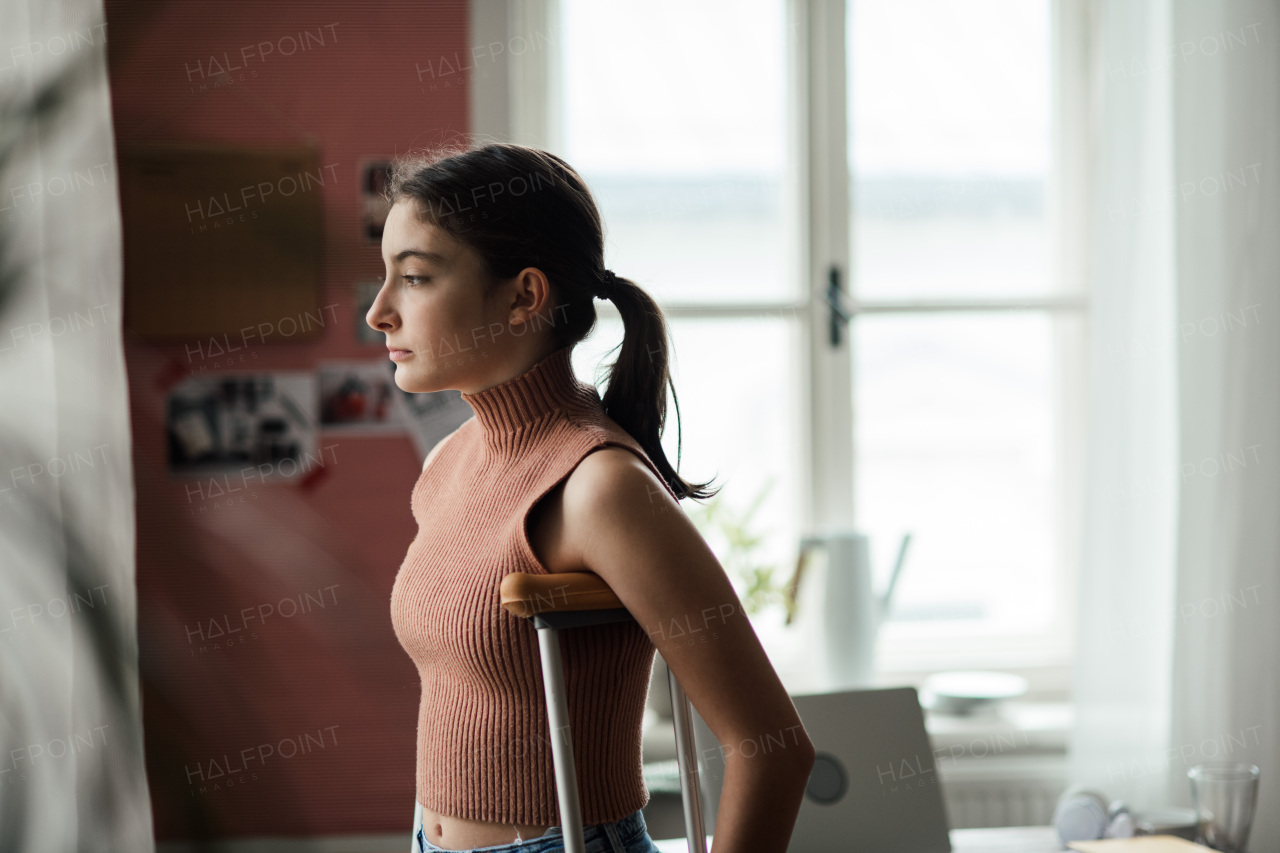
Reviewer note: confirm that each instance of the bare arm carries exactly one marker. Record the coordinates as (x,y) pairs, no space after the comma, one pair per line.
(625,527)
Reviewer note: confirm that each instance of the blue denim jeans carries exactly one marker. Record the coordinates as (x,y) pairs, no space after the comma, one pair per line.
(629,835)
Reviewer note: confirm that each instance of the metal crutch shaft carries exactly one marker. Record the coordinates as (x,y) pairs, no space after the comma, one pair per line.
(561,741)
(690,790)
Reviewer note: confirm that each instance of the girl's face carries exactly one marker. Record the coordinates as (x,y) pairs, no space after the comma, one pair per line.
(431,306)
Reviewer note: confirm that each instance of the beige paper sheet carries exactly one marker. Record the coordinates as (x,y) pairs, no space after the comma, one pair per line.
(1138,844)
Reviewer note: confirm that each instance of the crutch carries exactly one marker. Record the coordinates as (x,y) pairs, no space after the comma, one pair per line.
(571,600)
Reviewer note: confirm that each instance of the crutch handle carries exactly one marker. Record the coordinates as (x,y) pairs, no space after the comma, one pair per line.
(525,594)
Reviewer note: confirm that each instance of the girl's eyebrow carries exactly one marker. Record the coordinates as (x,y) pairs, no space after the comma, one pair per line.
(434,257)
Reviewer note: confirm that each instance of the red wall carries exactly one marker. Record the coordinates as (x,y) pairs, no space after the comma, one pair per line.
(322,702)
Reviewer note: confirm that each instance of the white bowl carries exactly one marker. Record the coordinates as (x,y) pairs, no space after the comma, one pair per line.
(965,692)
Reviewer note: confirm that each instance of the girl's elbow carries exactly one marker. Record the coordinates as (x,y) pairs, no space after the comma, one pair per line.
(805,756)
(810,756)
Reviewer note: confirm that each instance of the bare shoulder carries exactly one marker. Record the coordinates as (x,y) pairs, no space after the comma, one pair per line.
(615,479)
(610,463)
(614,502)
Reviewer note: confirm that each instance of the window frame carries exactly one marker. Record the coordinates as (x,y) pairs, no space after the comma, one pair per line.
(522,106)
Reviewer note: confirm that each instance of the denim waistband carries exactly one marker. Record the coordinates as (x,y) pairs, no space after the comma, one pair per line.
(626,827)
(623,830)
(630,824)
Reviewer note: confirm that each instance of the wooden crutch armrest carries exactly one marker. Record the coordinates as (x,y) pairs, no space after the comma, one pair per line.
(526,595)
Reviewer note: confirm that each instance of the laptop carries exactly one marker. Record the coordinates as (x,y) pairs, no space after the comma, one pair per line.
(874,784)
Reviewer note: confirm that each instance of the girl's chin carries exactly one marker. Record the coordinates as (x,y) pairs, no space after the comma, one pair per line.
(411,384)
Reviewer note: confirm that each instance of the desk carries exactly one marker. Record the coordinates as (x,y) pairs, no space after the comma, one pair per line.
(1004,839)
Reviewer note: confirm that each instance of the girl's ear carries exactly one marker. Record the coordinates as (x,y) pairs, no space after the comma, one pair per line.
(532,293)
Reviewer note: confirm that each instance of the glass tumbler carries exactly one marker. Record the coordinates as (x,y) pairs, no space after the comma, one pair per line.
(1225,795)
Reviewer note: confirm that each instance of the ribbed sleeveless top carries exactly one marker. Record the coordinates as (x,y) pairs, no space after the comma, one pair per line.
(483,745)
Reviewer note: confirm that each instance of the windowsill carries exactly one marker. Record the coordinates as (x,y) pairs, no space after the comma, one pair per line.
(1048,670)
(1014,728)
(1046,682)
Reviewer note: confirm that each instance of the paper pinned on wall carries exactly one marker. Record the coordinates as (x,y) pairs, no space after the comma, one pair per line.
(253,426)
(357,397)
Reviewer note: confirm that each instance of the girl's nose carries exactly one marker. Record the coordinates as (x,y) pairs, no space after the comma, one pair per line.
(380,316)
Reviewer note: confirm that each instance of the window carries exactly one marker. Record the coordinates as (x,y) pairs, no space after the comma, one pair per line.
(740,153)
(964,352)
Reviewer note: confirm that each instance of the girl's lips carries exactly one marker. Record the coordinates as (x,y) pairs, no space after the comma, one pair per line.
(399,354)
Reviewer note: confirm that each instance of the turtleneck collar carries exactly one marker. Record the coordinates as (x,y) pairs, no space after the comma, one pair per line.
(549,386)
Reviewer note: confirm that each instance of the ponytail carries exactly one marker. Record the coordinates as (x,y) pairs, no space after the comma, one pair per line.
(636,397)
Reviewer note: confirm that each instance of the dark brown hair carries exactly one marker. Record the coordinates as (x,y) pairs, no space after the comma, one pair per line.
(521,207)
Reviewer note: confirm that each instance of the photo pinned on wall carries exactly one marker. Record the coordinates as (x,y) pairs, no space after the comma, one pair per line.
(260,425)
(366,292)
(356,397)
(432,415)
(375,176)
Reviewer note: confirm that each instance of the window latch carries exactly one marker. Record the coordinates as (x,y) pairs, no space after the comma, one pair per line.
(837,314)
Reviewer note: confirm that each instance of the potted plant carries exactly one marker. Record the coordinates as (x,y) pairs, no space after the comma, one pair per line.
(735,539)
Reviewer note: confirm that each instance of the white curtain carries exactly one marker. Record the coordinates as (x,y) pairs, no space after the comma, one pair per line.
(1126,591)
(1226,663)
(71,766)
(1178,649)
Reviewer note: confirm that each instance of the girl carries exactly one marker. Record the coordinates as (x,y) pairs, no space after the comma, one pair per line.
(493,259)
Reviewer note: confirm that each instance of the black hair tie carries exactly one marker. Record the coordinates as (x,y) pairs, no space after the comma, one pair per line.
(607,281)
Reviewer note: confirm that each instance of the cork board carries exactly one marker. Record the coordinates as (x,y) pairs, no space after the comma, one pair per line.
(222,240)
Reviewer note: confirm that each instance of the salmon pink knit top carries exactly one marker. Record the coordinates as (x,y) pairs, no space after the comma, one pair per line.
(483,746)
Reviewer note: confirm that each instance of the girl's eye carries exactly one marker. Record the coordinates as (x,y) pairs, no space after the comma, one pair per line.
(415,279)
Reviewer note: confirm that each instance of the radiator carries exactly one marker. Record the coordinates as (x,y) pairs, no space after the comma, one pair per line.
(1002,791)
